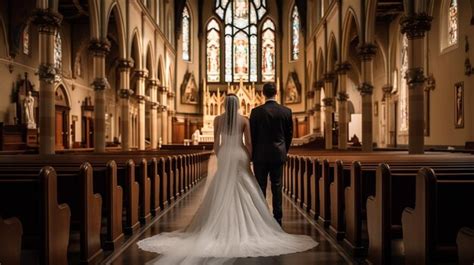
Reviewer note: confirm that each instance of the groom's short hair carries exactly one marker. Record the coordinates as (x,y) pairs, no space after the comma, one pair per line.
(269,90)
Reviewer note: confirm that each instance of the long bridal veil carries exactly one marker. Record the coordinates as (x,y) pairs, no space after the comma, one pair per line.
(233,219)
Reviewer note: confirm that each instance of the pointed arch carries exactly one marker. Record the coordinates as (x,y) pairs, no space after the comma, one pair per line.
(150,62)
(213,51)
(370,21)
(160,70)
(114,11)
(136,49)
(333,56)
(295,30)
(186,30)
(350,24)
(268,52)
(321,66)
(4,47)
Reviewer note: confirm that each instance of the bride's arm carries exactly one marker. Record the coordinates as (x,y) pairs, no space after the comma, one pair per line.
(248,138)
(216,136)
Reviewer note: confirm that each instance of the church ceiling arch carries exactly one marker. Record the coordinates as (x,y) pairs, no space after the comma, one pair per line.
(3,40)
(332,53)
(136,49)
(320,66)
(351,30)
(150,63)
(115,18)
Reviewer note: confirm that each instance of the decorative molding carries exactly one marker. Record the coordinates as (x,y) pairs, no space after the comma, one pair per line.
(317,107)
(415,25)
(319,85)
(310,94)
(141,73)
(328,102)
(100,83)
(47,73)
(415,76)
(47,21)
(329,77)
(342,96)
(125,64)
(163,89)
(366,89)
(154,83)
(367,51)
(343,68)
(430,83)
(125,93)
(99,48)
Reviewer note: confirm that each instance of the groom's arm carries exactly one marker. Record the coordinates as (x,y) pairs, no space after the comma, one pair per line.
(289,130)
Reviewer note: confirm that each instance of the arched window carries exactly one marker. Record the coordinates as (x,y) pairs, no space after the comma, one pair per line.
(268,51)
(404,85)
(213,52)
(240,34)
(453,23)
(58,51)
(26,40)
(186,34)
(295,33)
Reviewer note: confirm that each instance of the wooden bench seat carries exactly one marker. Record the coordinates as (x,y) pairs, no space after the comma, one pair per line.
(11,232)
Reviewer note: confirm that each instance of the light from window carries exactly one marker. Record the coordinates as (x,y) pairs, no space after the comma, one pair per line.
(240,37)
(404,85)
(26,40)
(58,51)
(453,23)
(295,33)
(268,51)
(186,35)
(213,51)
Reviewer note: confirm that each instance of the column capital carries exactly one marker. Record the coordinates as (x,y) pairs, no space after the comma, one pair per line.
(343,68)
(154,83)
(125,93)
(162,108)
(367,51)
(100,83)
(310,112)
(430,83)
(329,77)
(366,89)
(125,64)
(415,76)
(155,105)
(47,20)
(415,25)
(319,85)
(141,73)
(163,89)
(47,73)
(310,94)
(171,94)
(328,102)
(317,107)
(141,98)
(342,96)
(99,47)
(387,89)
(171,112)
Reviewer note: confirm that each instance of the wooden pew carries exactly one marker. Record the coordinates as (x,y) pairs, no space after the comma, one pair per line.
(52,222)
(324,198)
(145,192)
(11,231)
(336,227)
(300,180)
(465,244)
(430,229)
(114,208)
(314,188)
(307,184)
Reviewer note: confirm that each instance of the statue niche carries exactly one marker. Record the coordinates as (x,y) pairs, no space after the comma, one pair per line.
(189,90)
(293,89)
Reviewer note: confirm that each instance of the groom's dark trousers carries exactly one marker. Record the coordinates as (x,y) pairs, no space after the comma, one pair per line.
(271,127)
(275,171)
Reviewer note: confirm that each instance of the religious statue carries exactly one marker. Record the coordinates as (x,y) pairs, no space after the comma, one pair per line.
(28,109)
(293,89)
(459,106)
(189,90)
(195,137)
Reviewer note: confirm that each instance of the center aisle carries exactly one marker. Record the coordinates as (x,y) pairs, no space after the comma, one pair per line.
(180,214)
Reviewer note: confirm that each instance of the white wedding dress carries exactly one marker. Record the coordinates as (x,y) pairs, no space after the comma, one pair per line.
(233,219)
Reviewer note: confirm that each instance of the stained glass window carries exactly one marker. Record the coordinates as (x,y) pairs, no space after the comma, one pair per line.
(453,23)
(58,51)
(26,40)
(295,33)
(268,51)
(213,52)
(186,34)
(404,85)
(241,18)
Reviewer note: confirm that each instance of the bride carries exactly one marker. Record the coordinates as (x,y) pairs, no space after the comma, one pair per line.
(233,219)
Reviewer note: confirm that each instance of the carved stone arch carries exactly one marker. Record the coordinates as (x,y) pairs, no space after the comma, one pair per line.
(382,51)
(94,19)
(370,17)
(332,54)
(4,47)
(136,49)
(350,22)
(115,10)
(160,74)
(321,66)
(150,62)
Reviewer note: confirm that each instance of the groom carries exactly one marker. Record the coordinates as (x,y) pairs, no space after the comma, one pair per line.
(272,130)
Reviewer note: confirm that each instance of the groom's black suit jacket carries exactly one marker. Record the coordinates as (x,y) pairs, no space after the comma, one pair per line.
(271,127)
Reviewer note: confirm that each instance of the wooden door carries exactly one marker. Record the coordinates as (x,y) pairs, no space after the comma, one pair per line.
(59,130)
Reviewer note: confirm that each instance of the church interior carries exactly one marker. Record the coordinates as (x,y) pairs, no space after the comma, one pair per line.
(106,123)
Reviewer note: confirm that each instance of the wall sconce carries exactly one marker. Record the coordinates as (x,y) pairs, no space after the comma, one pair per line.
(11,68)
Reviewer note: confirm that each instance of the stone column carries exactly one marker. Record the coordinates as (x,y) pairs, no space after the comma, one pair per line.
(328,109)
(125,92)
(153,86)
(342,97)
(171,113)
(99,50)
(48,23)
(415,26)
(141,77)
(317,107)
(387,96)
(310,96)
(367,53)
(164,113)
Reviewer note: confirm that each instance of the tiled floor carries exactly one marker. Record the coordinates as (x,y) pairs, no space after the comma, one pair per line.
(179,215)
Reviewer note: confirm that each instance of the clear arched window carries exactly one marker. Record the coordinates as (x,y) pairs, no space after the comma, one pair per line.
(403,84)
(268,51)
(213,47)
(58,51)
(295,33)
(453,23)
(241,18)
(26,40)
(186,34)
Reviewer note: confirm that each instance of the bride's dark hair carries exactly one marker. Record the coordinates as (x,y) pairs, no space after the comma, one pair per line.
(231,108)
